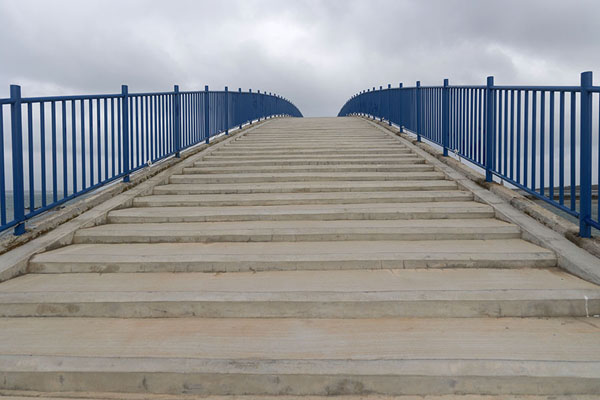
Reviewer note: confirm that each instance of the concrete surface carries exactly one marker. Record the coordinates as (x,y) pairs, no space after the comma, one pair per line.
(313,257)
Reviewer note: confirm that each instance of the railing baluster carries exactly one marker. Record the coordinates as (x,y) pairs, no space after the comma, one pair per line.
(585,164)
(17,160)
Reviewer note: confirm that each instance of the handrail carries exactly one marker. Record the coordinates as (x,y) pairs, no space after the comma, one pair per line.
(537,138)
(61,147)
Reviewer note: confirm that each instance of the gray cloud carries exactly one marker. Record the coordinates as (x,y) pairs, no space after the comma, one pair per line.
(316,53)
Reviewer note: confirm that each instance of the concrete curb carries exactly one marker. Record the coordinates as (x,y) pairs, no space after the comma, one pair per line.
(58,230)
(571,257)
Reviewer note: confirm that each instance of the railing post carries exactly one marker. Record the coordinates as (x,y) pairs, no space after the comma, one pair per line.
(389,105)
(259,105)
(489,129)
(226,110)
(251,102)
(125,105)
(240,102)
(206,115)
(418,89)
(380,104)
(585,160)
(177,120)
(445,117)
(17,159)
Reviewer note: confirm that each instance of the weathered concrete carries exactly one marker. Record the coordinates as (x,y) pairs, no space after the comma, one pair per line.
(254,356)
(313,257)
(304,294)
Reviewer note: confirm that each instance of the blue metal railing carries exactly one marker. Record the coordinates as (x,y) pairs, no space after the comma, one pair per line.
(537,138)
(64,146)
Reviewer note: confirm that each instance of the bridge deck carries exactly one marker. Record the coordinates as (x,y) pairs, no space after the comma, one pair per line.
(314,256)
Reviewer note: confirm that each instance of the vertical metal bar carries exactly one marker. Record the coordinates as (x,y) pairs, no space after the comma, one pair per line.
(64,147)
(98,141)
(561,149)
(91,118)
(533,138)
(74,145)
(105,138)
(551,145)
(418,110)
(573,150)
(2,171)
(30,155)
(177,120)
(206,115)
(112,135)
(518,171)
(585,160)
(54,161)
(542,142)
(489,130)
(226,110)
(125,105)
(525,138)
(82,137)
(42,150)
(445,117)
(17,160)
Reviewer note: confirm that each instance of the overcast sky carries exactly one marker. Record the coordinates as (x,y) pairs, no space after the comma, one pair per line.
(315,52)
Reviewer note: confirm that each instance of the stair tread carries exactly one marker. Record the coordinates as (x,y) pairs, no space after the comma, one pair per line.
(373,341)
(356,197)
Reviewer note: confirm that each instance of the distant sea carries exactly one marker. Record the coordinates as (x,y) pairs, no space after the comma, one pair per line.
(37,202)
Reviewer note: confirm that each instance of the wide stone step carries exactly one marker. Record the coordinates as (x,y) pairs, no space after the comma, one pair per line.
(299,187)
(313,161)
(292,231)
(349,153)
(330,212)
(434,293)
(284,145)
(226,157)
(271,199)
(222,257)
(230,356)
(310,168)
(306,177)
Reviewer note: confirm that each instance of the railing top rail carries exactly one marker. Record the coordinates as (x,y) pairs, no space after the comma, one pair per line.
(39,99)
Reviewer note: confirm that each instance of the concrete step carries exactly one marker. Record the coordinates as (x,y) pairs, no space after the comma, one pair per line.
(226,157)
(305,187)
(233,257)
(313,161)
(310,168)
(284,145)
(425,293)
(231,356)
(228,151)
(272,199)
(306,177)
(330,212)
(36,395)
(292,231)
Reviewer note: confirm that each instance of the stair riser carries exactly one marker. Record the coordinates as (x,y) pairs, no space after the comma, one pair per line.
(339,169)
(140,202)
(167,190)
(245,266)
(294,237)
(325,216)
(312,161)
(248,383)
(448,308)
(178,179)
(298,157)
(237,153)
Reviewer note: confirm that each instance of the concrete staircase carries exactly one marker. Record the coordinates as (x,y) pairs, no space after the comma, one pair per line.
(313,257)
